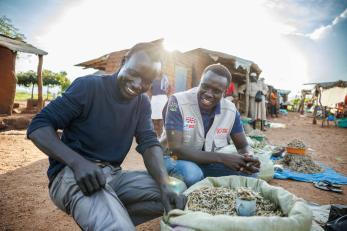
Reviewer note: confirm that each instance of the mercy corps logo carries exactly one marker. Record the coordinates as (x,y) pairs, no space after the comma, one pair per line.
(222,131)
(189,122)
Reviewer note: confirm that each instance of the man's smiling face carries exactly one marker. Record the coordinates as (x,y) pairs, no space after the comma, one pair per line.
(211,89)
(136,75)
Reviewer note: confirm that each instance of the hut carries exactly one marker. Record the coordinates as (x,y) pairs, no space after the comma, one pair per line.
(8,52)
(333,92)
(184,69)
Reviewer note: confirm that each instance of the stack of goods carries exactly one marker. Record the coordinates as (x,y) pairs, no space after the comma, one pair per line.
(299,163)
(221,201)
(296,146)
(258,139)
(296,143)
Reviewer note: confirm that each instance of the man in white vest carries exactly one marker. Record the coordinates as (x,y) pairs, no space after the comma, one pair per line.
(200,121)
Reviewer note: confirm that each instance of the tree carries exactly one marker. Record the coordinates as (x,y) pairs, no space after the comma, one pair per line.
(49,79)
(27,79)
(6,28)
(64,82)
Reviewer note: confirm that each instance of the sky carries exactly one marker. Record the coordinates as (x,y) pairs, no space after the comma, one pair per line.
(293,41)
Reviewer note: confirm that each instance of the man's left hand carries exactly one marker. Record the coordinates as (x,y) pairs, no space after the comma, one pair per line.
(172,200)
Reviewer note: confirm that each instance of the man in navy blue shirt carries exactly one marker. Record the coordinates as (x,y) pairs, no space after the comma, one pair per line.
(200,121)
(99,117)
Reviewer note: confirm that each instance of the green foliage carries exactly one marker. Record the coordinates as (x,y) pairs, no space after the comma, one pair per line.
(27,78)
(49,79)
(23,96)
(64,82)
(6,28)
(296,101)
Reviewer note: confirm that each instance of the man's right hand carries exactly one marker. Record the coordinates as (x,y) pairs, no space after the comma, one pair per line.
(233,161)
(239,163)
(89,176)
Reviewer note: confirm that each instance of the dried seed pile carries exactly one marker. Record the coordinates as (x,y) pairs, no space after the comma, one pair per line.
(296,143)
(258,144)
(245,194)
(217,201)
(300,163)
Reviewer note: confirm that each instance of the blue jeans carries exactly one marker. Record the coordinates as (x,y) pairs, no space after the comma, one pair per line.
(190,172)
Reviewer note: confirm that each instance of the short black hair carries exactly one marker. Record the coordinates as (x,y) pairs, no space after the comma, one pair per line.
(219,69)
(153,49)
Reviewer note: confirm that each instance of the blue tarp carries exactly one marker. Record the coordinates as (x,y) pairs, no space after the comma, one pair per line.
(328,174)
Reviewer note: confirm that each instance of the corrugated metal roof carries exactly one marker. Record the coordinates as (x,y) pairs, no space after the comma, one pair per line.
(326,85)
(16,45)
(239,62)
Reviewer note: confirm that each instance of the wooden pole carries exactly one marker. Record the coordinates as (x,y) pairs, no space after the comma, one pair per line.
(247,92)
(39,83)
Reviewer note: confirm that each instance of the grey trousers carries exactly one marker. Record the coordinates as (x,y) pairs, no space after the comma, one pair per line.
(129,198)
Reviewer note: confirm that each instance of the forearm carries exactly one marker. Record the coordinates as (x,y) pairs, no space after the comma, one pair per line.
(153,159)
(47,140)
(246,149)
(200,157)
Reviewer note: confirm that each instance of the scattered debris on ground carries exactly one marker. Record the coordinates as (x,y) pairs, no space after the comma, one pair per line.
(218,201)
(256,133)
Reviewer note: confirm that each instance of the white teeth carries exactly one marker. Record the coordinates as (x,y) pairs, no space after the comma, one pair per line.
(131,91)
(206,102)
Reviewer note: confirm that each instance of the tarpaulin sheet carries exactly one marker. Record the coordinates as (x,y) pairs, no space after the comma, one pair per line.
(328,174)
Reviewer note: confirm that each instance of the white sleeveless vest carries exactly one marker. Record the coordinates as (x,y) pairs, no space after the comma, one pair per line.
(193,127)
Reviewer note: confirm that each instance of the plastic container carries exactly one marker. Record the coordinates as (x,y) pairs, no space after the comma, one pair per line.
(246,120)
(342,123)
(259,138)
(245,208)
(297,151)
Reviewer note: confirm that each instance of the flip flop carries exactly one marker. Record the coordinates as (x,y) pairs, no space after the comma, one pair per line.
(331,184)
(323,186)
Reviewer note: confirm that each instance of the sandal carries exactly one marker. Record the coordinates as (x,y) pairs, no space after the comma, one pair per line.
(328,186)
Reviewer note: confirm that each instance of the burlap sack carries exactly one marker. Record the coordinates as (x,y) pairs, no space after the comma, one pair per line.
(298,215)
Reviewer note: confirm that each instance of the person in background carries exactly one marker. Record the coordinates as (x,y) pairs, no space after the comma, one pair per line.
(100,116)
(232,95)
(260,107)
(273,103)
(201,121)
(159,93)
(253,89)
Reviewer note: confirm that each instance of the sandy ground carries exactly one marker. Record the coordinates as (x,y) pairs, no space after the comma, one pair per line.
(25,205)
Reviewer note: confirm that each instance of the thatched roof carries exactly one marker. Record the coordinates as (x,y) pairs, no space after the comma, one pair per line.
(17,45)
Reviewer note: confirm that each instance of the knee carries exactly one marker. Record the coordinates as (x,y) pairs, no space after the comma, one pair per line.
(193,176)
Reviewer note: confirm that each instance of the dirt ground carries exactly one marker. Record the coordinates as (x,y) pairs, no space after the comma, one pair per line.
(25,204)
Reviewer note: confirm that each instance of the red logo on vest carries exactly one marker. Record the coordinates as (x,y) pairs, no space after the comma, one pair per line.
(222,131)
(190,122)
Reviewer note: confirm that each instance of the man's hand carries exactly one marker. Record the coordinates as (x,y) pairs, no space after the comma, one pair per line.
(244,163)
(252,164)
(233,161)
(89,176)
(172,200)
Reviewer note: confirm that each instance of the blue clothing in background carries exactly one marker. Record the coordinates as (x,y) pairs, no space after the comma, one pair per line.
(96,122)
(160,86)
(174,120)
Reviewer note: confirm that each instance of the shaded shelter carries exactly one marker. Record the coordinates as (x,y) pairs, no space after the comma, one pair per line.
(8,52)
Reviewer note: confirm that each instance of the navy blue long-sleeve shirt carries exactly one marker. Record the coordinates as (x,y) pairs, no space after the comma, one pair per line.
(96,122)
